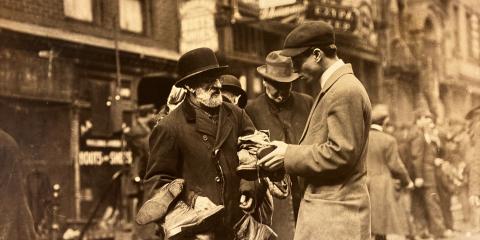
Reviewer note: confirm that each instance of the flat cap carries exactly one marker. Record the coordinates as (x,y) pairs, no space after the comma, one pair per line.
(306,35)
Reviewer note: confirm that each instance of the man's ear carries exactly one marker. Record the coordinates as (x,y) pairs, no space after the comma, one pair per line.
(318,54)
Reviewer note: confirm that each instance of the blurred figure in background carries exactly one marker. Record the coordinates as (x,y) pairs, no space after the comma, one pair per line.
(473,160)
(384,169)
(232,91)
(425,146)
(16,221)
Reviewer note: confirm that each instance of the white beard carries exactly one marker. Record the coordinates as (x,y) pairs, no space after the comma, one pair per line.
(208,98)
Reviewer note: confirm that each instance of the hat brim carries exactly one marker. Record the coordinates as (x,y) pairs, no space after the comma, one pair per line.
(213,69)
(292,52)
(474,111)
(262,70)
(242,102)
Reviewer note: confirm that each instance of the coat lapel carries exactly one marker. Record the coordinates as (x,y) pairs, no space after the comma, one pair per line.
(345,69)
(225,125)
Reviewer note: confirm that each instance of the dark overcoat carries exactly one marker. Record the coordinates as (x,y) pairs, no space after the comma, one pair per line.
(16,221)
(331,158)
(423,156)
(383,167)
(185,145)
(285,122)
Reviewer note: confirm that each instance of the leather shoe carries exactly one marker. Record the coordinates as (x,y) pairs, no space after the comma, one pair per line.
(183,221)
(156,207)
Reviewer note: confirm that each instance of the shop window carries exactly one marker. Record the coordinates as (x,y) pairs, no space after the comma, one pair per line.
(132,15)
(78,9)
(247,40)
(472,36)
(456,34)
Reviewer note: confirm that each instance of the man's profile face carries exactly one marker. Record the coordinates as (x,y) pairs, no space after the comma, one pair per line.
(208,91)
(233,98)
(277,91)
(305,64)
(425,122)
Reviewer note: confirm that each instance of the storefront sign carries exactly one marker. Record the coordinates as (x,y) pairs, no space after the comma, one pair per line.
(342,18)
(283,11)
(197,20)
(271,9)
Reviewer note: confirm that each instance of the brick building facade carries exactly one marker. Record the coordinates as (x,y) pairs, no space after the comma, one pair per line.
(58,69)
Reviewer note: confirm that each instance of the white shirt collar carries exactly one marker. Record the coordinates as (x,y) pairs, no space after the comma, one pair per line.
(376,127)
(328,73)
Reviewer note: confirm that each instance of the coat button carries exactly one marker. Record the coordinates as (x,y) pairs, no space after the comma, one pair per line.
(218,179)
(205,138)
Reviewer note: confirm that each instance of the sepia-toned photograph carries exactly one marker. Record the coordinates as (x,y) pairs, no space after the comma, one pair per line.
(239,119)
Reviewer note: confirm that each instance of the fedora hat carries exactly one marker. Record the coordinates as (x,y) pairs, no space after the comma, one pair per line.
(196,62)
(278,68)
(232,84)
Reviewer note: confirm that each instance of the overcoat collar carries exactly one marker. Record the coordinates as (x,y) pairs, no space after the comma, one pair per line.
(224,126)
(343,70)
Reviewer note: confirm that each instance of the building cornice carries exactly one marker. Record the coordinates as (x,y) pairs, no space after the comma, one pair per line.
(74,37)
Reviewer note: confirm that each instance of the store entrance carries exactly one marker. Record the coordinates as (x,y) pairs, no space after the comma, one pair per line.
(154,89)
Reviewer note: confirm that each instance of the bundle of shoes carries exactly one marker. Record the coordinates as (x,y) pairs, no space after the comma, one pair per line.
(253,148)
(177,219)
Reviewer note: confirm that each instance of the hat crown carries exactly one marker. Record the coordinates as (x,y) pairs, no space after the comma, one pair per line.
(195,62)
(310,34)
(230,80)
(278,65)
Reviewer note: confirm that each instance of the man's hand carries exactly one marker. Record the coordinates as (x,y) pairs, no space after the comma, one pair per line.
(474,201)
(274,160)
(418,182)
(410,185)
(246,202)
(203,203)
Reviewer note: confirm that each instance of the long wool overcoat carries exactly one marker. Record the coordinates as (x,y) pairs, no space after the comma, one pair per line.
(185,144)
(383,167)
(331,158)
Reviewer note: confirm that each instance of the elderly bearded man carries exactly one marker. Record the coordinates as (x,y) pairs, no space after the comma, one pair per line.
(198,143)
(331,154)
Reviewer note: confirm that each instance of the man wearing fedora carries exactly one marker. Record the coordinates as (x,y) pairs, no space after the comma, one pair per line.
(198,142)
(331,152)
(284,113)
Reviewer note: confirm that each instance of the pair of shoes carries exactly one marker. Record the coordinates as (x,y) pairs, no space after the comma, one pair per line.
(248,169)
(183,221)
(156,207)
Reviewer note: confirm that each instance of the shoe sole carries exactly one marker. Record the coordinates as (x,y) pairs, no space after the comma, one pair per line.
(149,211)
(196,228)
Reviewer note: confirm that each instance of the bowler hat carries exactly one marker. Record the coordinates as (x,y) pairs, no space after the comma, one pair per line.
(232,84)
(278,68)
(307,35)
(379,113)
(195,62)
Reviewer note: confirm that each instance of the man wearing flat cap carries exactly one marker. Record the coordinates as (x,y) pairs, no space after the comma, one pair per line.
(284,113)
(331,152)
(198,143)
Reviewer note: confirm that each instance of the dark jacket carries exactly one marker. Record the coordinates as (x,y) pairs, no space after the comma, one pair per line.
(423,157)
(186,145)
(285,121)
(16,221)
